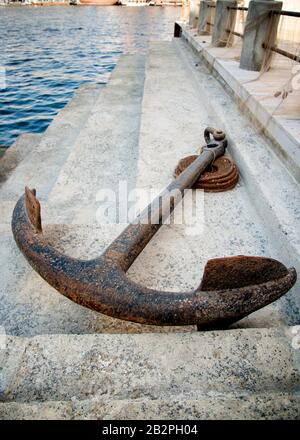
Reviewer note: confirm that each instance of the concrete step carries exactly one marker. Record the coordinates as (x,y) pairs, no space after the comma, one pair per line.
(268,406)
(106,150)
(13,155)
(185,367)
(41,166)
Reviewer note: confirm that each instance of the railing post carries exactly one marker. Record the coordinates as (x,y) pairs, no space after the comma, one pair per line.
(194,13)
(205,13)
(261,28)
(185,11)
(224,22)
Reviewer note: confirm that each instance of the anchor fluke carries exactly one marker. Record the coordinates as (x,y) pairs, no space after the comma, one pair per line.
(33,209)
(240,271)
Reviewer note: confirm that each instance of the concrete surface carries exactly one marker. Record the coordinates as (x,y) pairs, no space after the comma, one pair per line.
(251,371)
(106,148)
(13,155)
(59,367)
(256,407)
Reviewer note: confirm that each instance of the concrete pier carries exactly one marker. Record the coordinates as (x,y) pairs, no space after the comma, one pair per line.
(260,28)
(194,13)
(224,23)
(63,361)
(205,16)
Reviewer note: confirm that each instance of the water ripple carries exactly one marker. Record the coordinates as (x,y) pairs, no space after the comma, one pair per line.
(49,52)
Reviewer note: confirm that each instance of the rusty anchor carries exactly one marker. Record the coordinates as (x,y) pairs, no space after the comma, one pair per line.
(231,288)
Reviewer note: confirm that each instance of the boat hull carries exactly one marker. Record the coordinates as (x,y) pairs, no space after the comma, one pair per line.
(98,2)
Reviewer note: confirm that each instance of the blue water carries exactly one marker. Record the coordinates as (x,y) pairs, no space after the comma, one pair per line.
(47,52)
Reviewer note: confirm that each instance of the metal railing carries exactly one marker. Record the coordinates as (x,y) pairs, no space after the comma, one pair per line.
(237,34)
(286,13)
(275,49)
(237,8)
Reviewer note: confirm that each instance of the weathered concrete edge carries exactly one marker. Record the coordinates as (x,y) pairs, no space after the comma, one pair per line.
(90,88)
(269,406)
(10,157)
(52,354)
(41,166)
(76,97)
(284,142)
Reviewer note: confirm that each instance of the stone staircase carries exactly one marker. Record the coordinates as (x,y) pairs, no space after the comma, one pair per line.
(64,361)
(46,156)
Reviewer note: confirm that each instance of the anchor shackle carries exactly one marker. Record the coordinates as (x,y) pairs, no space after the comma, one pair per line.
(218,135)
(217,145)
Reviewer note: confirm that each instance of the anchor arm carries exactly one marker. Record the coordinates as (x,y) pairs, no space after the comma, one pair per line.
(102,284)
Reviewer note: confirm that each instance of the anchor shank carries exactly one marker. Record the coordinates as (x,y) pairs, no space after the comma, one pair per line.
(130,243)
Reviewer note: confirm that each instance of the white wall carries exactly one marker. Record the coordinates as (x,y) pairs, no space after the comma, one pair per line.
(289,27)
(288,5)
